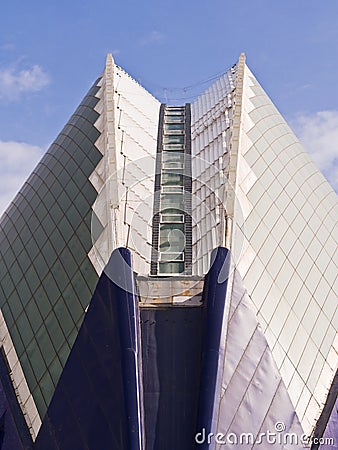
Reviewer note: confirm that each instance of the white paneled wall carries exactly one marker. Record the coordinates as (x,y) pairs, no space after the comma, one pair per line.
(211,117)
(291,232)
(254,396)
(128,142)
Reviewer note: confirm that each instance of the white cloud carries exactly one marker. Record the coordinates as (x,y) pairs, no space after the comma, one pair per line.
(153,37)
(7,47)
(318,133)
(17,160)
(15,82)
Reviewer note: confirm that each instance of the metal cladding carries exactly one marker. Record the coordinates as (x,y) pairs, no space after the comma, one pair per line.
(133,409)
(98,391)
(214,295)
(224,324)
(47,278)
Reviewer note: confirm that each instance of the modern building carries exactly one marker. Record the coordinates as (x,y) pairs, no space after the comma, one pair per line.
(169,279)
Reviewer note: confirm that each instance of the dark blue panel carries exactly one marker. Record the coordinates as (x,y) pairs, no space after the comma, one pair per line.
(14,434)
(330,436)
(214,293)
(95,405)
(325,436)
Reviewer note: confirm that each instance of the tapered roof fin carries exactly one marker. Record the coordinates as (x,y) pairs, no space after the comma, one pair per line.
(109,59)
(242,58)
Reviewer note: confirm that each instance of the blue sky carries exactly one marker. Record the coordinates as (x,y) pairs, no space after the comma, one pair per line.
(51,52)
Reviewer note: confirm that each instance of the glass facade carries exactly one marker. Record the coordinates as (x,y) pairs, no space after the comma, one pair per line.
(174,192)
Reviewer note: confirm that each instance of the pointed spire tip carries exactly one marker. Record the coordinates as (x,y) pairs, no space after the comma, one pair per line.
(109,58)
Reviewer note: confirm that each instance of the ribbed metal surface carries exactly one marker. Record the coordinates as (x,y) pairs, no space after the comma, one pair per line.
(187,193)
(157,190)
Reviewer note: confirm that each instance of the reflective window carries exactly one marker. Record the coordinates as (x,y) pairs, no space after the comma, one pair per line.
(172,201)
(172,178)
(171,256)
(174,112)
(174,118)
(174,147)
(174,139)
(172,237)
(172,189)
(174,126)
(172,157)
(172,218)
(171,267)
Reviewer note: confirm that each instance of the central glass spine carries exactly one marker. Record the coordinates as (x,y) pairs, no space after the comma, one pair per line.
(171,240)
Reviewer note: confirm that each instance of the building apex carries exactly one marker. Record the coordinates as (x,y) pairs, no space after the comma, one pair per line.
(242,57)
(109,59)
